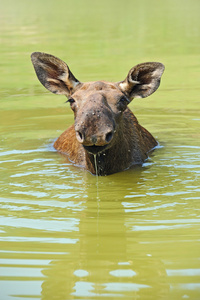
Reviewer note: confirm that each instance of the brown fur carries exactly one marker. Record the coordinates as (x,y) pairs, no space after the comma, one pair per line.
(104,126)
(137,143)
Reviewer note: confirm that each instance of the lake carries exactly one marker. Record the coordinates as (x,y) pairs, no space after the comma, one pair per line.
(64,233)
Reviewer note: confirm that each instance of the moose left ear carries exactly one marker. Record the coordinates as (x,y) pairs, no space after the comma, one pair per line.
(54,73)
(142,80)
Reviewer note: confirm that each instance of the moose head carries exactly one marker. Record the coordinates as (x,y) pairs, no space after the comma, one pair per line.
(103,121)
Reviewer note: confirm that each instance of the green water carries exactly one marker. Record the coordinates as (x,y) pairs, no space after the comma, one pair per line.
(132,235)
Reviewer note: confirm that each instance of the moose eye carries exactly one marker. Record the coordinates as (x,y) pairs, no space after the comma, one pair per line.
(71,100)
(123,102)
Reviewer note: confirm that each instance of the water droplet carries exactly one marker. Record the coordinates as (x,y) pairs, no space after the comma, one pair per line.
(95,163)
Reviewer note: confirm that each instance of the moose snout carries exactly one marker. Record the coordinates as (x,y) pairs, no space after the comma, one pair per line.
(97,139)
(95,124)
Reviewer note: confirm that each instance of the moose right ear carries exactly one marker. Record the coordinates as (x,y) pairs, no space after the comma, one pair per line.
(54,74)
(142,80)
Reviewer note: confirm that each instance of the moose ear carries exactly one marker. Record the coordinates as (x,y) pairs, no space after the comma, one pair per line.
(53,73)
(142,80)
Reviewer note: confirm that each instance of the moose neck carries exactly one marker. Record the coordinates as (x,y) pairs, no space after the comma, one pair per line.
(100,164)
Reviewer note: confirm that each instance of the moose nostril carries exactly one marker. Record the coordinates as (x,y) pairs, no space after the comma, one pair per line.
(109,136)
(79,136)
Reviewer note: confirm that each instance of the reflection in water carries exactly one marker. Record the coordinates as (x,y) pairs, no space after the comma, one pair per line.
(105,262)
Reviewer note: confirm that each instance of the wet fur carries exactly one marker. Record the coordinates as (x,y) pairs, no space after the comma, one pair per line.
(137,143)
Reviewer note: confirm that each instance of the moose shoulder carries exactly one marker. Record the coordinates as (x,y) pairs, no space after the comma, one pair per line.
(104,126)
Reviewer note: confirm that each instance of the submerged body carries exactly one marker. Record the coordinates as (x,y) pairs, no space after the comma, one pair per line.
(104,126)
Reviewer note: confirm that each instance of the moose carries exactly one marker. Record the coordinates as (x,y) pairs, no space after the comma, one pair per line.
(106,137)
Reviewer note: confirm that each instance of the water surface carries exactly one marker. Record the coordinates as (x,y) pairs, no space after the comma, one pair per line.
(131,235)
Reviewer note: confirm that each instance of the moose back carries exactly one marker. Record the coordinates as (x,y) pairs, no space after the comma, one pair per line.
(106,137)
